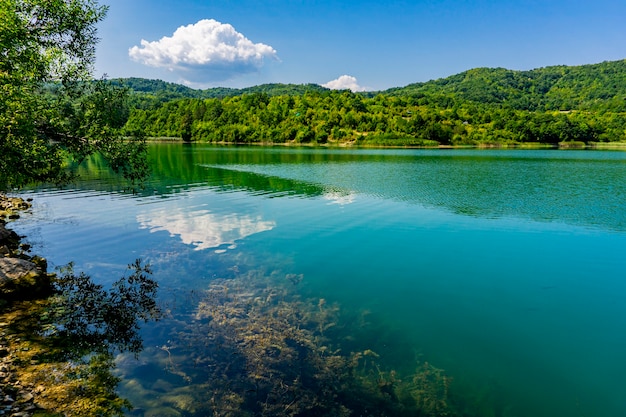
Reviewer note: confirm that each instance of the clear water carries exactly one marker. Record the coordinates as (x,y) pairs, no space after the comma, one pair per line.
(505,268)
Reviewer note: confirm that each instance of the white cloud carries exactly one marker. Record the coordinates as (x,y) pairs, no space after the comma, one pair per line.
(345,82)
(203,52)
(202,229)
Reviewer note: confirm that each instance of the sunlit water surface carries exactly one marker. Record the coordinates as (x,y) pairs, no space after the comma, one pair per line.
(505,268)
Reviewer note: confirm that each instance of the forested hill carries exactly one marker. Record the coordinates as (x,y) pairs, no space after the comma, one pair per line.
(564,105)
(164,91)
(585,87)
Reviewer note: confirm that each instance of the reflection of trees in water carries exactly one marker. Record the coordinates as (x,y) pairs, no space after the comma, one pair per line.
(256,348)
(64,345)
(172,171)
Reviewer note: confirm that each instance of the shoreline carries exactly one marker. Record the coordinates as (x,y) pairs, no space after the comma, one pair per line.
(618,146)
(22,277)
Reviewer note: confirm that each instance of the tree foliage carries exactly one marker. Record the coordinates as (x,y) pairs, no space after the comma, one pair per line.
(345,117)
(478,107)
(51,113)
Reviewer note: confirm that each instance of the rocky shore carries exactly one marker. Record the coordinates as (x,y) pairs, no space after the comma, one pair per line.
(22,276)
(16,400)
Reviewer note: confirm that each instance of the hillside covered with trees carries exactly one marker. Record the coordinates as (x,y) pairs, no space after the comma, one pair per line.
(153,92)
(587,87)
(571,106)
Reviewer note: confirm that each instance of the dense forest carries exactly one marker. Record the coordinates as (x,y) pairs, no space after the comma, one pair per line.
(570,106)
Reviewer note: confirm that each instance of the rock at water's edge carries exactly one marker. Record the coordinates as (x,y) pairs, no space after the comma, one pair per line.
(20,276)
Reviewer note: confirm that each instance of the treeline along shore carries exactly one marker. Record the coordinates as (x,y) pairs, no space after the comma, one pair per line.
(567,106)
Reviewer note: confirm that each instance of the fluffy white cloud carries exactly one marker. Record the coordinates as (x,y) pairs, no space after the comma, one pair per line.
(345,82)
(204,52)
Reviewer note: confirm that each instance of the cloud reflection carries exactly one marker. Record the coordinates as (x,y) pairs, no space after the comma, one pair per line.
(203,229)
(341,198)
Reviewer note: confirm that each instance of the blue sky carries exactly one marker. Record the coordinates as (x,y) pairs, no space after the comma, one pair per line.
(363,45)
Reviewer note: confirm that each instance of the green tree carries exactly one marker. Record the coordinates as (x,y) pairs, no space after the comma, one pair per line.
(53,115)
(51,112)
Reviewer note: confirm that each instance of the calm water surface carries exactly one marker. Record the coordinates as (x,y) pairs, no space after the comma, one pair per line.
(505,268)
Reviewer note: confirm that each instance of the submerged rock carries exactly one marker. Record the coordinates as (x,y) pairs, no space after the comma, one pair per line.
(21,277)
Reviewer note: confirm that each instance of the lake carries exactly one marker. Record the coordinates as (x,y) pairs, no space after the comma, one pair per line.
(505,269)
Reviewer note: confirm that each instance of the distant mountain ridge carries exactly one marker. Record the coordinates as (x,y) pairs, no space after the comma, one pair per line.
(584,87)
(168,90)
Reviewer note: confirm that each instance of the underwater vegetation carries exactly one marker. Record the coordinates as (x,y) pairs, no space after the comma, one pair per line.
(256,347)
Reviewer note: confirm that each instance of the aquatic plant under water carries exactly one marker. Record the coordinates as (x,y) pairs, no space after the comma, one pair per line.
(255,347)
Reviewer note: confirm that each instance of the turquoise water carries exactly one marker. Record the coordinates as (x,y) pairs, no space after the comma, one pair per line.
(504,268)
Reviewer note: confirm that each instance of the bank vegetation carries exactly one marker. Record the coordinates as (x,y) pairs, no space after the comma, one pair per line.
(563,106)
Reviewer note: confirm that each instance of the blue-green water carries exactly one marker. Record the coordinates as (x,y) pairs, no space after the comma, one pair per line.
(504,268)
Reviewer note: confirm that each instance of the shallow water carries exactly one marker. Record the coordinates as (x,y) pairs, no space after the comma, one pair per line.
(505,268)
